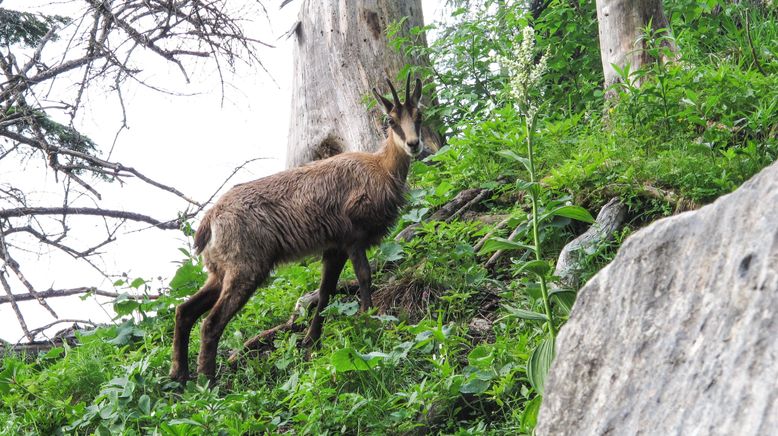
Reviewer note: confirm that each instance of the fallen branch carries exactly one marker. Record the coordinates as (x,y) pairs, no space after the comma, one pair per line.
(463,202)
(568,266)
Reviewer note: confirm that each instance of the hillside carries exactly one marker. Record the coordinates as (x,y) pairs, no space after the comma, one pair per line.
(459,343)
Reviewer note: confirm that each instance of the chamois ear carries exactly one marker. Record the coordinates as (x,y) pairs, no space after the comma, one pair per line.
(408,89)
(417,93)
(388,106)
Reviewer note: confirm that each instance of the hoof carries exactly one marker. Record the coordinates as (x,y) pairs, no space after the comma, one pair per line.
(179,376)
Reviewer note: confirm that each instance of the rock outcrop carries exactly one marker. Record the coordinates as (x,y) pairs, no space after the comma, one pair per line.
(679,334)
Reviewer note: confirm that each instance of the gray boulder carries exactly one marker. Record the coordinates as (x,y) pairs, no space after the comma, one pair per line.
(679,334)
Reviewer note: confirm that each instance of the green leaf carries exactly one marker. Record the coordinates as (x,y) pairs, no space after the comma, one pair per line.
(391,251)
(565,298)
(511,155)
(123,305)
(144,404)
(415,215)
(496,243)
(7,376)
(537,267)
(574,212)
(526,314)
(481,356)
(137,283)
(346,308)
(187,280)
(349,359)
(530,416)
(532,187)
(124,334)
(53,353)
(385,318)
(474,386)
(539,363)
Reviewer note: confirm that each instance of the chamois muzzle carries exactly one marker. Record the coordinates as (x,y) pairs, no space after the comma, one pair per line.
(415,147)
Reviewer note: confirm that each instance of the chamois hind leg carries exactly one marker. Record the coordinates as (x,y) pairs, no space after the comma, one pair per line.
(333,261)
(187,314)
(236,291)
(362,269)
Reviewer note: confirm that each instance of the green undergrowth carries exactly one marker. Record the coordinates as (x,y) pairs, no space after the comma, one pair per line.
(675,137)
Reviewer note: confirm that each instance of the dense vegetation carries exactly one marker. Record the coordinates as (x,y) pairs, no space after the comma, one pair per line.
(696,128)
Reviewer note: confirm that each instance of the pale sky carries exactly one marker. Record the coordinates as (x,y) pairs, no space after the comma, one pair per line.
(192,143)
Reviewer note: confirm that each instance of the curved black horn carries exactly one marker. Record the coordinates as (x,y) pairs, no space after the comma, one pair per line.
(408,89)
(394,93)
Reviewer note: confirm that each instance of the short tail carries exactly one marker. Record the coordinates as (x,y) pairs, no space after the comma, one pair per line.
(203,234)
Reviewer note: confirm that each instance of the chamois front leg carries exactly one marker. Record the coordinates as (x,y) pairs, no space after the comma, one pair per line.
(358,258)
(333,261)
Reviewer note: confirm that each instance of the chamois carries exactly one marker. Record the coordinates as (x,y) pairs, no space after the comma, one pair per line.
(340,206)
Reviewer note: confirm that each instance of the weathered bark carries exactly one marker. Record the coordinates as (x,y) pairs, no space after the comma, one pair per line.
(621,23)
(342,52)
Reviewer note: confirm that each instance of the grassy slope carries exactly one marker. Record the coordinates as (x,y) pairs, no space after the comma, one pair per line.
(426,371)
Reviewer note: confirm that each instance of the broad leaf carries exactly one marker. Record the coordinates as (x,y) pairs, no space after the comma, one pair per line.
(537,267)
(144,404)
(511,155)
(54,353)
(565,298)
(415,215)
(474,386)
(574,212)
(494,244)
(526,314)
(539,363)
(349,359)
(481,356)
(391,251)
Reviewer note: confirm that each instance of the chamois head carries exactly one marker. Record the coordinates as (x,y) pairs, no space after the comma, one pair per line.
(404,119)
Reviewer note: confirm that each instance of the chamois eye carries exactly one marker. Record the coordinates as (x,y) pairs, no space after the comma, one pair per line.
(392,122)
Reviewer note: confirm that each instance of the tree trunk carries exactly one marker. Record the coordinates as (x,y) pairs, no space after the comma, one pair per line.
(621,23)
(341,53)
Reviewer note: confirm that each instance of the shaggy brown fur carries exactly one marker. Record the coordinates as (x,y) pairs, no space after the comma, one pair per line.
(339,206)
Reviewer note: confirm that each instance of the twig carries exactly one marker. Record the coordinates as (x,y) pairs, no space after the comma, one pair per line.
(10,263)
(11,298)
(751,46)
(500,225)
(55,293)
(36,331)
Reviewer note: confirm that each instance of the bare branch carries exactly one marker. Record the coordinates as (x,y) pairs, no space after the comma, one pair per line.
(56,293)
(11,298)
(103,45)
(35,332)
(119,214)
